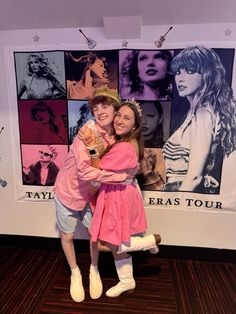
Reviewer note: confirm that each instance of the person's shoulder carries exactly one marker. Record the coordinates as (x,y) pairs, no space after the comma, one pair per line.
(206,115)
(206,109)
(55,167)
(129,147)
(123,144)
(135,145)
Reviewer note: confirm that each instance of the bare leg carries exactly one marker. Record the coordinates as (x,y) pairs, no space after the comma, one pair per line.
(118,257)
(95,283)
(69,249)
(94,253)
(103,247)
(76,285)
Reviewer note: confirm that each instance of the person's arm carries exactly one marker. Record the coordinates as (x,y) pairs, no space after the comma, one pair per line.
(88,173)
(22,89)
(93,146)
(130,173)
(57,87)
(91,137)
(95,162)
(201,140)
(28,176)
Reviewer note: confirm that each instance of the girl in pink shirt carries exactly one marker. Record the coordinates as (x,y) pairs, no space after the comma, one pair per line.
(119,212)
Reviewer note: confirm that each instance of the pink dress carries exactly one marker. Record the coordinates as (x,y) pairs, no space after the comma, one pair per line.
(119,209)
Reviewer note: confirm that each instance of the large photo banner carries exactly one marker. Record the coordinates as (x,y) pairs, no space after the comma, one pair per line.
(188,119)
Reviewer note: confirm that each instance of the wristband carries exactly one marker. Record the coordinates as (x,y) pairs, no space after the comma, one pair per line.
(92,151)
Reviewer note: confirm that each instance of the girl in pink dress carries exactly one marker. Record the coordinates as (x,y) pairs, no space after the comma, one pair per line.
(119,209)
(119,212)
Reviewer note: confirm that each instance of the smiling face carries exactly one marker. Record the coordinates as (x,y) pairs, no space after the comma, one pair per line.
(151,66)
(104,114)
(188,82)
(124,121)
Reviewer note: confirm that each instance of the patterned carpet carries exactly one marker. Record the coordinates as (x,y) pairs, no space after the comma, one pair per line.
(37,281)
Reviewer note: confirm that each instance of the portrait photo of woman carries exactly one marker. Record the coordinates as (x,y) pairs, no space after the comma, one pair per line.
(86,71)
(152,175)
(194,153)
(155,122)
(145,74)
(41,122)
(39,78)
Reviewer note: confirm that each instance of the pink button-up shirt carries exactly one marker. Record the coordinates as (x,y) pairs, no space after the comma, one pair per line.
(72,183)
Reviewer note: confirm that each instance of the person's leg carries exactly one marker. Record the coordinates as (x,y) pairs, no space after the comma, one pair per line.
(66,221)
(76,285)
(67,243)
(124,268)
(95,283)
(148,242)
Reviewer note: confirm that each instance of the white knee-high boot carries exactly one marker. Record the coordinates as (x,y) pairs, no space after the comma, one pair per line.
(124,270)
(148,242)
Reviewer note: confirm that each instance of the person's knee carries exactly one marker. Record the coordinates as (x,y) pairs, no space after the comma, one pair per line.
(67,237)
(113,248)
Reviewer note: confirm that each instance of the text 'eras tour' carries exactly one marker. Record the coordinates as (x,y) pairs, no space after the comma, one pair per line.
(187,202)
(152,200)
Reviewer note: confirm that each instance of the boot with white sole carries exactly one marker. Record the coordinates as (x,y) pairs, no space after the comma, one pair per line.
(149,242)
(124,270)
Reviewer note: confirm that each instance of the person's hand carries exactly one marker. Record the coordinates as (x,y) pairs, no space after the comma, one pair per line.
(91,138)
(88,137)
(211,181)
(26,170)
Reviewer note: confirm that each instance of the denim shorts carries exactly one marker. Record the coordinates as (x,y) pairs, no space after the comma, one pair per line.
(67,218)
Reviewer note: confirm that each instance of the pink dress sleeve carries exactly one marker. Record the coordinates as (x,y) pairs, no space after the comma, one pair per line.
(122,156)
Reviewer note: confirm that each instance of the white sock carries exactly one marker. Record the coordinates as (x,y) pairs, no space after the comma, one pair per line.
(75,271)
(93,268)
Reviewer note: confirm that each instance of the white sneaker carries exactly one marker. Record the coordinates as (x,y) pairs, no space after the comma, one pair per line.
(76,287)
(95,284)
